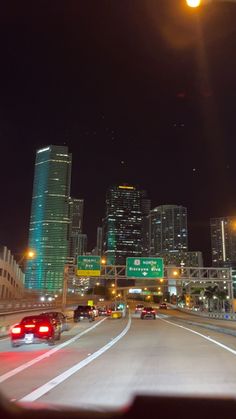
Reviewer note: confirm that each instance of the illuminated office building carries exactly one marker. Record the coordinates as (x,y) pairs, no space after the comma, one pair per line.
(223,241)
(168,231)
(126,207)
(76,211)
(49,222)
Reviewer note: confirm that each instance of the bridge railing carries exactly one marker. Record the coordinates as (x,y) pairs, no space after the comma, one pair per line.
(11,306)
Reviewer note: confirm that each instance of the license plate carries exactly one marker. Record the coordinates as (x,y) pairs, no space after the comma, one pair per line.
(29,338)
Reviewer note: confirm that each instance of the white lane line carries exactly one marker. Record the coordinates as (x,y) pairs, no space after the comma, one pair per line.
(46,354)
(39,392)
(227,348)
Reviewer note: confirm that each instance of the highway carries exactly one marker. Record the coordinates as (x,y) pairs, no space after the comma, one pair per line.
(104,364)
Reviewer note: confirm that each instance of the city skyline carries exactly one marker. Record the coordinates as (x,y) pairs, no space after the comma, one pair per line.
(141,106)
(91,242)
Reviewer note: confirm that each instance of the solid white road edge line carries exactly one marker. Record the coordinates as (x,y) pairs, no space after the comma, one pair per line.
(28,364)
(39,392)
(227,348)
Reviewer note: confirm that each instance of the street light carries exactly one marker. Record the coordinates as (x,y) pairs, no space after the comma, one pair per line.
(193,3)
(103,261)
(197,3)
(28,254)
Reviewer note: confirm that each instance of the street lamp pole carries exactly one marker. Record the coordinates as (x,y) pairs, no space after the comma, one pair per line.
(65,287)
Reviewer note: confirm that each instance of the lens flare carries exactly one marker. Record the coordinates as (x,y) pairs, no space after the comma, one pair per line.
(193,3)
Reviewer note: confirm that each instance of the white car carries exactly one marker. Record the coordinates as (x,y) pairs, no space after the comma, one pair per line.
(95,310)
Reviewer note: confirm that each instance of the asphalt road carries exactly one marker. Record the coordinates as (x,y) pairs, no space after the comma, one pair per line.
(104,364)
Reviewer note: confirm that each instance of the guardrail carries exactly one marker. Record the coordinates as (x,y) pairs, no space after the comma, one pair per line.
(14,306)
(210,315)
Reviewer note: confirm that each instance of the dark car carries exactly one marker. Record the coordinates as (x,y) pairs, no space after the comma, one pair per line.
(60,318)
(35,329)
(148,313)
(163,306)
(84,312)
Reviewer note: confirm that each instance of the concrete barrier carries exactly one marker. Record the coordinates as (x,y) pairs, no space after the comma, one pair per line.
(210,315)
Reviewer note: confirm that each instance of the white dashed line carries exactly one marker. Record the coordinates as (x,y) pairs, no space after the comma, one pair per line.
(39,392)
(227,348)
(46,354)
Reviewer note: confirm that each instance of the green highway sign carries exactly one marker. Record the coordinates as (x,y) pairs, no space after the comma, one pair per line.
(88,266)
(149,268)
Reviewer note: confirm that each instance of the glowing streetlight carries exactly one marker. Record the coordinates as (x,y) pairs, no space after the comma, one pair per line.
(103,261)
(30,254)
(193,3)
(175,273)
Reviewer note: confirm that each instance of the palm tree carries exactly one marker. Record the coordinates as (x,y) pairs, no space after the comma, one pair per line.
(209,293)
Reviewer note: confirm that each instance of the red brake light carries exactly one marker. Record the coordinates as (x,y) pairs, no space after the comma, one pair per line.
(16,330)
(43,329)
(29,325)
(144,311)
(153,311)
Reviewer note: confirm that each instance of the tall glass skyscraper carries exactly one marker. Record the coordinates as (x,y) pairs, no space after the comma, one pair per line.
(122,226)
(49,222)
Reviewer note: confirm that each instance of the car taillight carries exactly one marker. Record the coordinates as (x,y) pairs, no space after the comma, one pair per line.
(153,311)
(29,326)
(16,330)
(144,311)
(43,329)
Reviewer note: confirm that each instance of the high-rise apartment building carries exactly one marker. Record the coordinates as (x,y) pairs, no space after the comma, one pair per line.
(223,241)
(99,246)
(167,229)
(49,222)
(126,207)
(76,212)
(82,244)
(184,259)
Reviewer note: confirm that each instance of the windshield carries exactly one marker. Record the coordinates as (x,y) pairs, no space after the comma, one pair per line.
(118,208)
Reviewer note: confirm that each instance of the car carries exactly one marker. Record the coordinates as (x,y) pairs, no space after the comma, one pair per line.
(139,308)
(35,329)
(103,311)
(163,306)
(60,318)
(148,313)
(95,310)
(83,312)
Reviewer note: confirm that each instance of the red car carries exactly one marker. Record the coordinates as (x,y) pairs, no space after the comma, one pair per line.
(35,329)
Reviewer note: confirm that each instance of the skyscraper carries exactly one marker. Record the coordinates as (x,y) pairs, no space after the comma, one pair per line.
(167,225)
(76,212)
(99,241)
(49,222)
(223,241)
(82,244)
(122,226)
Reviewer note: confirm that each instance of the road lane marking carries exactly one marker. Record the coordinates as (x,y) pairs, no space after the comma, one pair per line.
(227,348)
(39,392)
(46,354)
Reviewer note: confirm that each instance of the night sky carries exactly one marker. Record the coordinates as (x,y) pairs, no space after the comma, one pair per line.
(142,91)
